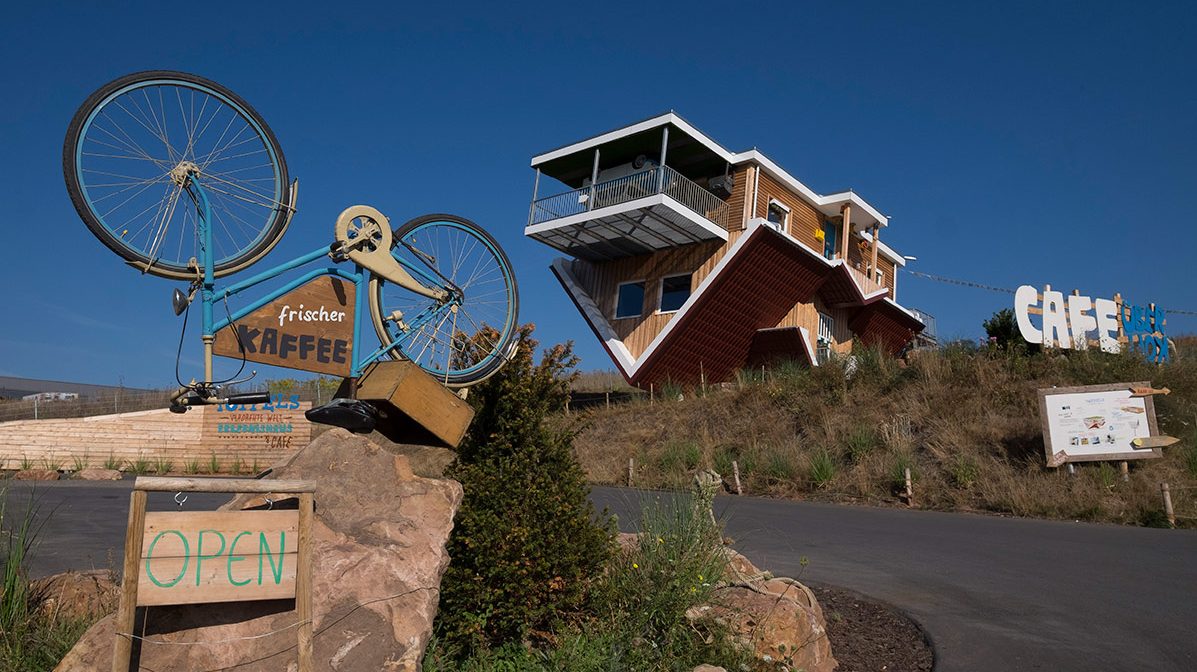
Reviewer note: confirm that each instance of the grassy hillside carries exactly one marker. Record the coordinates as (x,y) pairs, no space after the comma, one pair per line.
(965,421)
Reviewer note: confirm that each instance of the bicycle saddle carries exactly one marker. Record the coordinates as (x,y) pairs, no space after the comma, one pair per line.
(355,415)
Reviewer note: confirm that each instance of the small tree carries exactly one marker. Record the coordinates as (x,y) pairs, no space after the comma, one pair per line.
(1002,330)
(525,547)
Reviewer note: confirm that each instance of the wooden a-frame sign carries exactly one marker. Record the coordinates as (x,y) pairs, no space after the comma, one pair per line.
(198,557)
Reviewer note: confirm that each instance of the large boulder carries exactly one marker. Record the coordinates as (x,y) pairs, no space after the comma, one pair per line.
(779,620)
(76,595)
(36,475)
(378,557)
(93,474)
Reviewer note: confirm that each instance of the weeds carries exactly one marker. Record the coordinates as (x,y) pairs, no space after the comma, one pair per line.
(213,464)
(79,463)
(238,466)
(139,466)
(111,463)
(31,639)
(191,466)
(963,471)
(163,465)
(26,463)
(823,468)
(52,464)
(861,443)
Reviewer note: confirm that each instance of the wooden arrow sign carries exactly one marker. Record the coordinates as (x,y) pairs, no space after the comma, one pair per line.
(1148,391)
(1154,441)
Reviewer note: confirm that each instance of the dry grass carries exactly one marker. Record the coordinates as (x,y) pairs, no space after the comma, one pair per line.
(965,422)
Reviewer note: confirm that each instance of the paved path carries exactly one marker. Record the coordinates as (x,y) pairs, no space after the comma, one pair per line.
(994,593)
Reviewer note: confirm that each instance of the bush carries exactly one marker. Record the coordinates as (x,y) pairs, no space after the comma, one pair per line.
(822,468)
(525,547)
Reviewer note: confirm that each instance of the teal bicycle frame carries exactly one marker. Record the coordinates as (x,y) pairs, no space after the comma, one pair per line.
(210,294)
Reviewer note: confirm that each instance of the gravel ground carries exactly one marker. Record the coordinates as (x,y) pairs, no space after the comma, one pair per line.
(868,636)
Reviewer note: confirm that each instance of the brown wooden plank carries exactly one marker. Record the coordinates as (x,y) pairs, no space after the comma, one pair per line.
(195,581)
(159,540)
(123,647)
(303,582)
(172,484)
(317,315)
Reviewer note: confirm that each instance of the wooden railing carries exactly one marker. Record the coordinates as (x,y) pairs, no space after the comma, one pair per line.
(867,285)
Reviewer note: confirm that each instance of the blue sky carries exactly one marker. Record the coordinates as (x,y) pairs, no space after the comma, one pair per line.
(1010,143)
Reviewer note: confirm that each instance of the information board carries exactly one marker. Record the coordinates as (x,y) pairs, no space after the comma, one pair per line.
(1096,423)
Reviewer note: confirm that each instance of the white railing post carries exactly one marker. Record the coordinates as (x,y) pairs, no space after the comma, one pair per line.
(535,189)
(661,163)
(593,181)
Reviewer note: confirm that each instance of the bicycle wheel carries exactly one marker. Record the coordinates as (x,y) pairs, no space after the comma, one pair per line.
(127,155)
(464,341)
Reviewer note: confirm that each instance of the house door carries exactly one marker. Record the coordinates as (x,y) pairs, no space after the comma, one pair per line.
(829,238)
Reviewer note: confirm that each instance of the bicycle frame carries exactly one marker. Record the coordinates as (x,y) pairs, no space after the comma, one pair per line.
(210,294)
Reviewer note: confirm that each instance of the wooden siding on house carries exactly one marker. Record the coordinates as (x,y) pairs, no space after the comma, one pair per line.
(804,220)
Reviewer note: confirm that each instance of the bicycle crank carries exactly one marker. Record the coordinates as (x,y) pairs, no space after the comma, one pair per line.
(364,235)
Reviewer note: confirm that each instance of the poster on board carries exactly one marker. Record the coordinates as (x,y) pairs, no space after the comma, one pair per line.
(1096,423)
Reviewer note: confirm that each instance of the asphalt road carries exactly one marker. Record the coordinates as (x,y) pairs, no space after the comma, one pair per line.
(993,593)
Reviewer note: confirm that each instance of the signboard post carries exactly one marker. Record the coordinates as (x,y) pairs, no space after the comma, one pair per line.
(1097,423)
(216,556)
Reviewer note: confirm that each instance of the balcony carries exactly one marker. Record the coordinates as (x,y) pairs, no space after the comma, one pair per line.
(867,285)
(646,211)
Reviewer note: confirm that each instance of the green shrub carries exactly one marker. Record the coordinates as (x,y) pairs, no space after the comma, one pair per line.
(163,465)
(139,466)
(213,464)
(683,456)
(897,471)
(963,470)
(860,442)
(780,465)
(191,466)
(823,468)
(79,463)
(112,463)
(1189,457)
(1106,475)
(525,545)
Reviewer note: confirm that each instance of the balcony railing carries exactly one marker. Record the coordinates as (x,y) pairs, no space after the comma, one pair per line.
(630,188)
(867,285)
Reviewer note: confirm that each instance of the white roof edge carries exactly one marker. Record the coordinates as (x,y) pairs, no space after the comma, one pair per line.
(889,252)
(805,191)
(623,357)
(652,122)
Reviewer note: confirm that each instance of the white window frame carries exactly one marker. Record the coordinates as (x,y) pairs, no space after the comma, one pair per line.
(880,276)
(661,291)
(784,225)
(826,335)
(639,313)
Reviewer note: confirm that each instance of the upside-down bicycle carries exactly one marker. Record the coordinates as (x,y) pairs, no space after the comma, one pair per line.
(184,180)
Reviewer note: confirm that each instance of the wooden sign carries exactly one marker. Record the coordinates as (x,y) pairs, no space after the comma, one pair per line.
(216,556)
(1096,423)
(309,328)
(1148,391)
(1155,442)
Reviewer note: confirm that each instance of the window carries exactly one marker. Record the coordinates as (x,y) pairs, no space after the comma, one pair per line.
(829,239)
(674,292)
(823,347)
(778,215)
(881,277)
(629,301)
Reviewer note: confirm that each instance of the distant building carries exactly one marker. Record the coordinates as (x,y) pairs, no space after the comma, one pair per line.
(690,262)
(51,396)
(20,388)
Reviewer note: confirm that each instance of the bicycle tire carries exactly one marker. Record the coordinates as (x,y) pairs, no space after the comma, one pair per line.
(491,354)
(276,213)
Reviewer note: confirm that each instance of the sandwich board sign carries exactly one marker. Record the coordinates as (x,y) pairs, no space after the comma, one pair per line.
(198,557)
(1097,423)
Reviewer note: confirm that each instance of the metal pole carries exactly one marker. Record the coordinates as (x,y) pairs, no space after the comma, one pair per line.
(532,206)
(593,180)
(661,167)
(35,408)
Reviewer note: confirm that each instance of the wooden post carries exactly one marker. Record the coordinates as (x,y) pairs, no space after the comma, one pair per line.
(702,374)
(909,489)
(567,404)
(736,477)
(1168,505)
(845,229)
(873,263)
(303,581)
(1124,467)
(631,470)
(1071,469)
(651,394)
(127,612)
(608,399)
